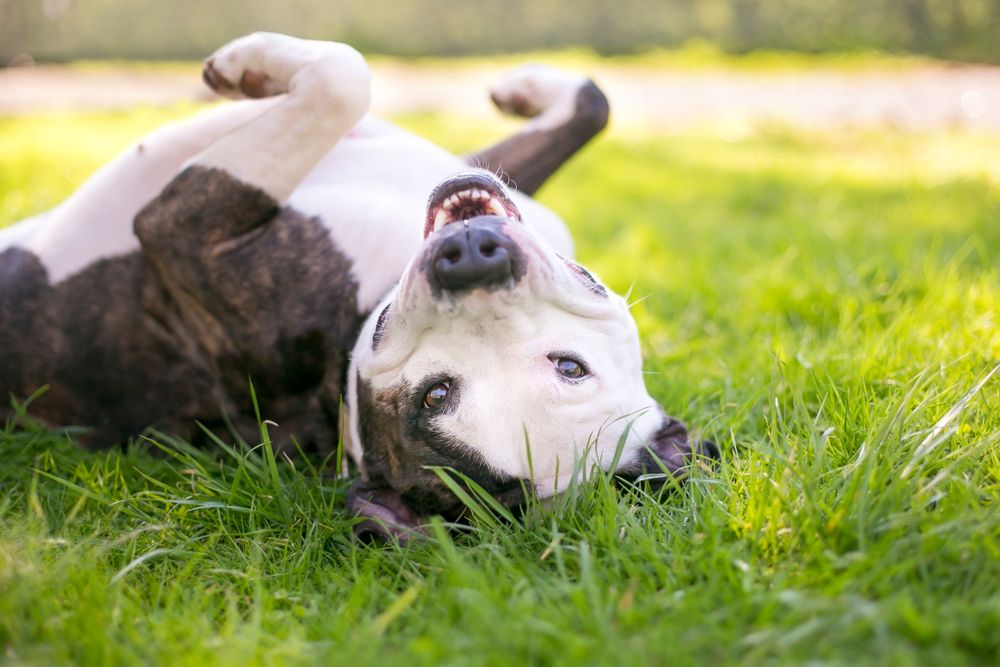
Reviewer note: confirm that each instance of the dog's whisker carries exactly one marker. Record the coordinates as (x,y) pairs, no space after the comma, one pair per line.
(633,304)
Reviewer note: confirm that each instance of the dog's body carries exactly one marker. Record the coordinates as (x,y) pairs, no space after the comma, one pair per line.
(266,233)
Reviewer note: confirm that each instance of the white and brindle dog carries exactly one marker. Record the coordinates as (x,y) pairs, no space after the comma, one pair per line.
(290,239)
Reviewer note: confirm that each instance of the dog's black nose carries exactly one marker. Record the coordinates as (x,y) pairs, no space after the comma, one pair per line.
(479,255)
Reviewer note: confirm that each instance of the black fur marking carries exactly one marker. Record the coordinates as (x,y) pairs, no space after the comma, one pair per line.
(108,365)
(399,441)
(227,287)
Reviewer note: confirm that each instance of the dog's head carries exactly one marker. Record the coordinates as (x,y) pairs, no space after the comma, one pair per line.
(499,358)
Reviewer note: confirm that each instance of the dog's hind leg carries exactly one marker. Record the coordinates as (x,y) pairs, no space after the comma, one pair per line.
(242,180)
(566,111)
(246,286)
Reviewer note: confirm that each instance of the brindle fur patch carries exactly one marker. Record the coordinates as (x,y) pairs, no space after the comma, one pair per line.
(228,286)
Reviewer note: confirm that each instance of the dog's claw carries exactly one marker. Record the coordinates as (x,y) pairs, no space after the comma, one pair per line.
(214,80)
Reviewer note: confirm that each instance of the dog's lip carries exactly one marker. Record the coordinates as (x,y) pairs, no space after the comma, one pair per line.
(466,196)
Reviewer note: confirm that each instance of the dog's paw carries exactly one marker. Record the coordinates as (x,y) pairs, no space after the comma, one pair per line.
(531,90)
(238,69)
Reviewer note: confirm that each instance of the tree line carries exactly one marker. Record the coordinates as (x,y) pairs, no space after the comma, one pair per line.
(53,30)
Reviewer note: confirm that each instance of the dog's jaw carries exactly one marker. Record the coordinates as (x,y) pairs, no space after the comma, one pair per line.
(466,196)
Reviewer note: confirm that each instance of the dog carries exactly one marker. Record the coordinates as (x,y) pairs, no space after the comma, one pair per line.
(288,238)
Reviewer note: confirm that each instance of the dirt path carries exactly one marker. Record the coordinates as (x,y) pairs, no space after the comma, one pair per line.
(919,98)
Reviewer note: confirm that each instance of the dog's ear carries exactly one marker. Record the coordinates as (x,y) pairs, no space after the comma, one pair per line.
(674,448)
(385,517)
(671,450)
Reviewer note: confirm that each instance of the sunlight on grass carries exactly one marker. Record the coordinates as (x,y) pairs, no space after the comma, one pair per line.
(45,156)
(826,306)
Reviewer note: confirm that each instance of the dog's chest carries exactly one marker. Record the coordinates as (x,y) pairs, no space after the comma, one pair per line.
(370,192)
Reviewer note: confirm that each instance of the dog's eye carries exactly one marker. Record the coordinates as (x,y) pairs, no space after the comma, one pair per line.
(380,326)
(436,395)
(585,276)
(569,368)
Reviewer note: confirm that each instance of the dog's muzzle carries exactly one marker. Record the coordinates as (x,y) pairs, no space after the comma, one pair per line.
(475,254)
(469,248)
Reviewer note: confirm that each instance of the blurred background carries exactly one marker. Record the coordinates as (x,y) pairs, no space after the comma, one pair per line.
(47,30)
(667,64)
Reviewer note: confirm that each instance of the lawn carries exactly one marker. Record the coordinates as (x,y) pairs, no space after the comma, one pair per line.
(826,306)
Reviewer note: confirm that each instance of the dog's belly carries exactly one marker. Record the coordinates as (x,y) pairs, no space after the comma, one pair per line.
(370,191)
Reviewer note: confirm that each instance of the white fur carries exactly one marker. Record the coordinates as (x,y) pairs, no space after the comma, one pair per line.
(371,192)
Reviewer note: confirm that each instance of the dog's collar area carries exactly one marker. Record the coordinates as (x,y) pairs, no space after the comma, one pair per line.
(465,197)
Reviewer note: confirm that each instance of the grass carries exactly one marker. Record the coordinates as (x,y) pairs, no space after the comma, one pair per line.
(826,306)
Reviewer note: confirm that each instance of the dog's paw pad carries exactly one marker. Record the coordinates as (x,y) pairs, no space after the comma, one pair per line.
(257,84)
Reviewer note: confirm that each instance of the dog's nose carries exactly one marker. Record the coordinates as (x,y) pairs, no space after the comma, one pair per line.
(477,256)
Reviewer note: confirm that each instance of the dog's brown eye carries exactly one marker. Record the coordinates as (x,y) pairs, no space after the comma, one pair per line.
(569,368)
(436,395)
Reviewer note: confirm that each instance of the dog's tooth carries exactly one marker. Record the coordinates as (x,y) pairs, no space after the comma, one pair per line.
(441,219)
(495,207)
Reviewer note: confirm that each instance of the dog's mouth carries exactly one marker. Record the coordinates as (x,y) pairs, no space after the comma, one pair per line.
(467,196)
